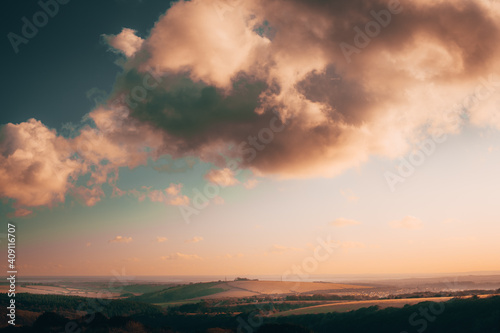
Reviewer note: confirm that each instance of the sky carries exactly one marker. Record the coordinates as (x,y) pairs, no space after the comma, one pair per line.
(232,137)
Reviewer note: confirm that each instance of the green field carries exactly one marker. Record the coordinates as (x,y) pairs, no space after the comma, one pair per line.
(179,293)
(143,288)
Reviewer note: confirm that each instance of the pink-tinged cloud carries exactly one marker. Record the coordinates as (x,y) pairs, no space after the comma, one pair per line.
(170,196)
(251,183)
(192,35)
(266,84)
(21,212)
(181,256)
(195,239)
(161,239)
(126,41)
(35,164)
(218,200)
(338,109)
(120,239)
(343,222)
(222,177)
(408,222)
(349,195)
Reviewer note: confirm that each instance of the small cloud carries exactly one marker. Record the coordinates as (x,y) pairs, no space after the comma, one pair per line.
(127,42)
(408,222)
(342,222)
(251,183)
(279,249)
(218,200)
(20,212)
(349,195)
(194,240)
(120,239)
(171,195)
(89,244)
(173,189)
(183,256)
(222,177)
(181,200)
(161,239)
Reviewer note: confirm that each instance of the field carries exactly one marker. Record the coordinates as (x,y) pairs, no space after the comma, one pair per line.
(239,289)
(342,306)
(355,305)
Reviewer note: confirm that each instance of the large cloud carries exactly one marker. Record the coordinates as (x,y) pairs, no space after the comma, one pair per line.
(270,85)
(229,68)
(35,164)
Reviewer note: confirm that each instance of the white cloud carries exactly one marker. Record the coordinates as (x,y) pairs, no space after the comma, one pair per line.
(161,239)
(126,41)
(223,177)
(349,195)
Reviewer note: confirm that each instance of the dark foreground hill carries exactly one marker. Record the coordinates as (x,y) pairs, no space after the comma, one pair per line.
(472,315)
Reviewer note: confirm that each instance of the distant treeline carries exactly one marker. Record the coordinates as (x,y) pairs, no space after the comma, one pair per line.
(329,297)
(472,315)
(72,304)
(213,308)
(422,294)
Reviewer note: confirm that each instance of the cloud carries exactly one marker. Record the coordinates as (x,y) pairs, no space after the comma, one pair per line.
(120,239)
(247,87)
(88,244)
(222,177)
(194,240)
(251,183)
(170,196)
(126,41)
(21,212)
(342,222)
(161,239)
(35,164)
(192,35)
(218,200)
(182,256)
(349,195)
(224,85)
(408,222)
